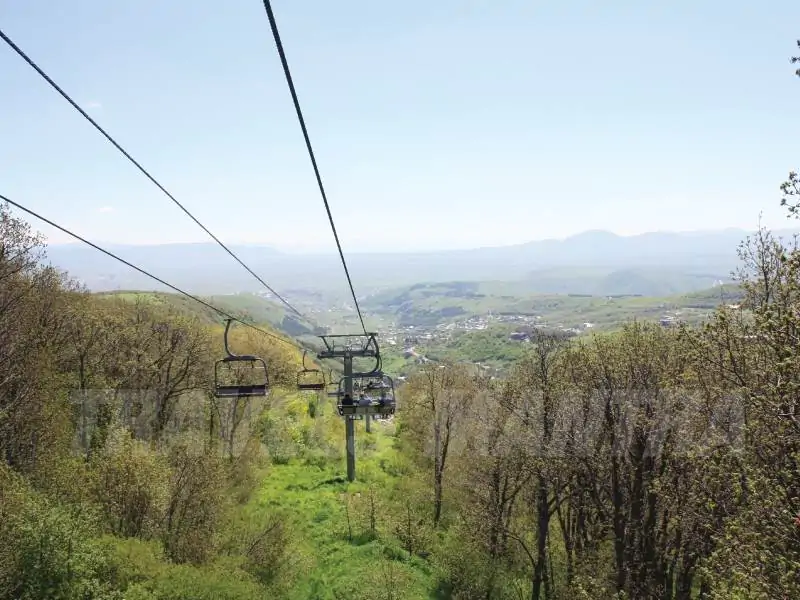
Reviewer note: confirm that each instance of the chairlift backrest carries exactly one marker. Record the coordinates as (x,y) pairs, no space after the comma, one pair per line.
(224,389)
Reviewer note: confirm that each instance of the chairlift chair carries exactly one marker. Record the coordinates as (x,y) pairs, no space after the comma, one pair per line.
(332,386)
(386,403)
(381,408)
(225,389)
(310,379)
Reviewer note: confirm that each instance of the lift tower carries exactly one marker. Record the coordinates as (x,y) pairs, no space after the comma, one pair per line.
(347,347)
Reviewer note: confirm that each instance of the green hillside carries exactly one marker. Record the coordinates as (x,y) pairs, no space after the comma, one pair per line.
(124,477)
(250,307)
(429,306)
(644,281)
(476,322)
(434,304)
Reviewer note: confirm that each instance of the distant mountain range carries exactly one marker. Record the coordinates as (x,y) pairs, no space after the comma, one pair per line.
(691,260)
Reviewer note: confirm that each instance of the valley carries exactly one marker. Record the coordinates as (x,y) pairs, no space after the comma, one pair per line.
(488,323)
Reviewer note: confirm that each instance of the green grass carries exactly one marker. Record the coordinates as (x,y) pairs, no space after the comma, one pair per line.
(313,499)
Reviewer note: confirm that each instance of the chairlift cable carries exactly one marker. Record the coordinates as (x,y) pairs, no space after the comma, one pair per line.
(276,35)
(85,115)
(150,275)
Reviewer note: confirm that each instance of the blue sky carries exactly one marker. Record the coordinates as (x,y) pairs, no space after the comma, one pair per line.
(446,124)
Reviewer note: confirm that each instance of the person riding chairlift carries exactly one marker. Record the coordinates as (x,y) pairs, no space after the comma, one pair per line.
(347,400)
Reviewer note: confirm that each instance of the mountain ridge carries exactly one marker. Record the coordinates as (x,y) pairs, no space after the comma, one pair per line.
(202,267)
(580,236)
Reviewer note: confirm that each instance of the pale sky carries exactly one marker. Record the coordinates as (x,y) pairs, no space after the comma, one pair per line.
(437,124)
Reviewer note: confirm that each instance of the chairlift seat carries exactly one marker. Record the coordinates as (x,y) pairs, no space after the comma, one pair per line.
(241,358)
(366,409)
(232,391)
(384,411)
(311,386)
(377,385)
(352,409)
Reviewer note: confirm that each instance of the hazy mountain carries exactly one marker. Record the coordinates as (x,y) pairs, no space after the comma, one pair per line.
(206,268)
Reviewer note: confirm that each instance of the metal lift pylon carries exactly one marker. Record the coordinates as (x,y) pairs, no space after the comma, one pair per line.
(342,347)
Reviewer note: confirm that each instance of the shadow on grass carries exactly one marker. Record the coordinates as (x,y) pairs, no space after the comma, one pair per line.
(443,591)
(332,481)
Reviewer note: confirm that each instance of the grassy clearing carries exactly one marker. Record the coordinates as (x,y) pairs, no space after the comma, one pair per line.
(335,549)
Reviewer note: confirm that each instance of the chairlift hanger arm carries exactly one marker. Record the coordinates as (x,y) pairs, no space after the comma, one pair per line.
(230,356)
(314,369)
(228,352)
(376,370)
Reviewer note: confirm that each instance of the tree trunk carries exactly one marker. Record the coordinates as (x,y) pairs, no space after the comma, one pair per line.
(438,471)
(542,525)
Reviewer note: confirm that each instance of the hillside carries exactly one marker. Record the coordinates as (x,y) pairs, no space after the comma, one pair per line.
(430,305)
(486,324)
(249,307)
(461,321)
(123,476)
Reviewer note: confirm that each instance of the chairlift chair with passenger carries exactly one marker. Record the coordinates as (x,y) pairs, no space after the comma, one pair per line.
(386,402)
(374,395)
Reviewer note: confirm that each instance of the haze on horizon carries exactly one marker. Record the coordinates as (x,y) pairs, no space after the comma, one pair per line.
(456,124)
(784,232)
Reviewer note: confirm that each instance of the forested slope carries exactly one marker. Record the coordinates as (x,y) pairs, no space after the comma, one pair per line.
(123,477)
(119,475)
(645,463)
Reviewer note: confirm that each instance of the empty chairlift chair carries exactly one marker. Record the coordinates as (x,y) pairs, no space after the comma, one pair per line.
(310,379)
(239,375)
